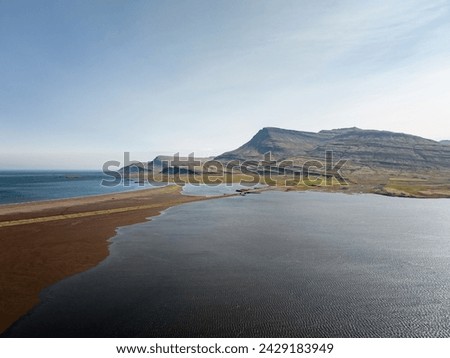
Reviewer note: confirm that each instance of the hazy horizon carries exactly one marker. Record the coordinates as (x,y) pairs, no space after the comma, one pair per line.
(83,82)
(121,159)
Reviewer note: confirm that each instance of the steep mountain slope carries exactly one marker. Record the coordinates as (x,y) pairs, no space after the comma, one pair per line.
(376,149)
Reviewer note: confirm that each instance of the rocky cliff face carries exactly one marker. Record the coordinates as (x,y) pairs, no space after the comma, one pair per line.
(376,149)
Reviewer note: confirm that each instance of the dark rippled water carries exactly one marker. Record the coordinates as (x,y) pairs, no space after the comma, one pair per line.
(269,265)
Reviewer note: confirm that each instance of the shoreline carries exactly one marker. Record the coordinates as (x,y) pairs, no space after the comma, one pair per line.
(74,198)
(43,242)
(46,241)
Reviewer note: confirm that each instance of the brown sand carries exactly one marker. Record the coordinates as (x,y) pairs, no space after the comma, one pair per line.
(44,242)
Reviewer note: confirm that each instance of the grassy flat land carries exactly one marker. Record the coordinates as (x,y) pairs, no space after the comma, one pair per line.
(402,184)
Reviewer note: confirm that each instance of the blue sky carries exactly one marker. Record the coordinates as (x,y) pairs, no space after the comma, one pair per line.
(83,81)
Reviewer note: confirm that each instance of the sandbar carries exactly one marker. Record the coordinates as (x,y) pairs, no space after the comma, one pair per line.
(43,242)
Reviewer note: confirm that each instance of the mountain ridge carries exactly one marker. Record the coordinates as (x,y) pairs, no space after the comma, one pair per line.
(373,148)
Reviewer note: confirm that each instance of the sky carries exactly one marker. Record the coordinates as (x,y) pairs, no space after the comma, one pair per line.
(82,82)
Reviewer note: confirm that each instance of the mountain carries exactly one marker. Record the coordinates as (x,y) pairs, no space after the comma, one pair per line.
(371,148)
(446,142)
(160,164)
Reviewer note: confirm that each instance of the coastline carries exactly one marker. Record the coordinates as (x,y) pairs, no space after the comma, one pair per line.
(44,242)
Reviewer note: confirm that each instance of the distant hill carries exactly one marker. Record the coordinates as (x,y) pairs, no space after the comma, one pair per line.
(160,164)
(446,142)
(372,148)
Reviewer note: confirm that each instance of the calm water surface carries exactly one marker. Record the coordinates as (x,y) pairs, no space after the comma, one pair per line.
(215,190)
(25,186)
(269,265)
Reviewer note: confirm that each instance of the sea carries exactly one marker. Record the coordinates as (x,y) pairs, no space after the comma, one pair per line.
(27,186)
(276,264)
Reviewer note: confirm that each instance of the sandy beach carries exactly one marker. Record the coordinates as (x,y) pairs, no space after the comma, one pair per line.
(44,242)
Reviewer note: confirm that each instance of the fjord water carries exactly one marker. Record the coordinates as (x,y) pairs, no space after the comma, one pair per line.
(270,265)
(25,186)
(216,190)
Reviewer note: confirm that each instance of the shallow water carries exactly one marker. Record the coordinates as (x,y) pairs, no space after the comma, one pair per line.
(269,265)
(215,190)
